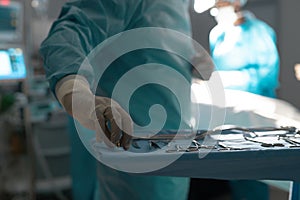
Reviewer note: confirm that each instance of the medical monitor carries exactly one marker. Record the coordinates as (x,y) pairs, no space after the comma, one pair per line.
(12,64)
(11,21)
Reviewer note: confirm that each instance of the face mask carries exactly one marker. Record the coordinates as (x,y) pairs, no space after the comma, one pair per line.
(226,15)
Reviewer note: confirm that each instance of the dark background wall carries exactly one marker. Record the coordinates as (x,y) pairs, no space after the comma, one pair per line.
(289,46)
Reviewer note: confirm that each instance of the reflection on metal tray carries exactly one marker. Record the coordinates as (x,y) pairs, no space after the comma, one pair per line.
(229,138)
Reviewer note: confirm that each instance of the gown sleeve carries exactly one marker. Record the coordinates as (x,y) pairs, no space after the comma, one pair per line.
(81,25)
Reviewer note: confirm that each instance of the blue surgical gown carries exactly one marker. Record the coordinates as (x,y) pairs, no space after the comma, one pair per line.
(250,49)
(81,26)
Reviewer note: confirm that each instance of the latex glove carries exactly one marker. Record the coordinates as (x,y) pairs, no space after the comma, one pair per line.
(92,111)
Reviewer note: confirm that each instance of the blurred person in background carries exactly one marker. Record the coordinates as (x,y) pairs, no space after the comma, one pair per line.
(245,54)
(243,49)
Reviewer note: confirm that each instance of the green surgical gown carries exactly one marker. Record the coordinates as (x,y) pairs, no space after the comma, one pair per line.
(81,26)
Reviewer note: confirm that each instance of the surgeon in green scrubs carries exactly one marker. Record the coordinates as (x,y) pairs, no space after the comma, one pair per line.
(81,26)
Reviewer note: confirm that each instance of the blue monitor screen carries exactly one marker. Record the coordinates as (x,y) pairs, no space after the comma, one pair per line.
(8,18)
(12,65)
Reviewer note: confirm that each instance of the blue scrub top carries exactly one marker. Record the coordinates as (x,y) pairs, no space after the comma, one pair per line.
(249,48)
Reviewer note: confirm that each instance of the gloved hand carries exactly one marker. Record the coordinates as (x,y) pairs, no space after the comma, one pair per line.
(91,111)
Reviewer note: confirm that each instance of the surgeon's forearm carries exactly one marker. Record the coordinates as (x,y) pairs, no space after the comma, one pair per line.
(69,85)
(65,86)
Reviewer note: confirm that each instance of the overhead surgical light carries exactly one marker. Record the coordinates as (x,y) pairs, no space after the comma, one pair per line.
(203,5)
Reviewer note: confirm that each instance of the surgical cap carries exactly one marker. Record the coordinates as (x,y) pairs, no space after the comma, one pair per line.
(242,2)
(203,5)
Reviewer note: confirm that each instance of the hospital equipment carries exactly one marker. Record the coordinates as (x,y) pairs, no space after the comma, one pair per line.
(11,22)
(13,66)
(232,157)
